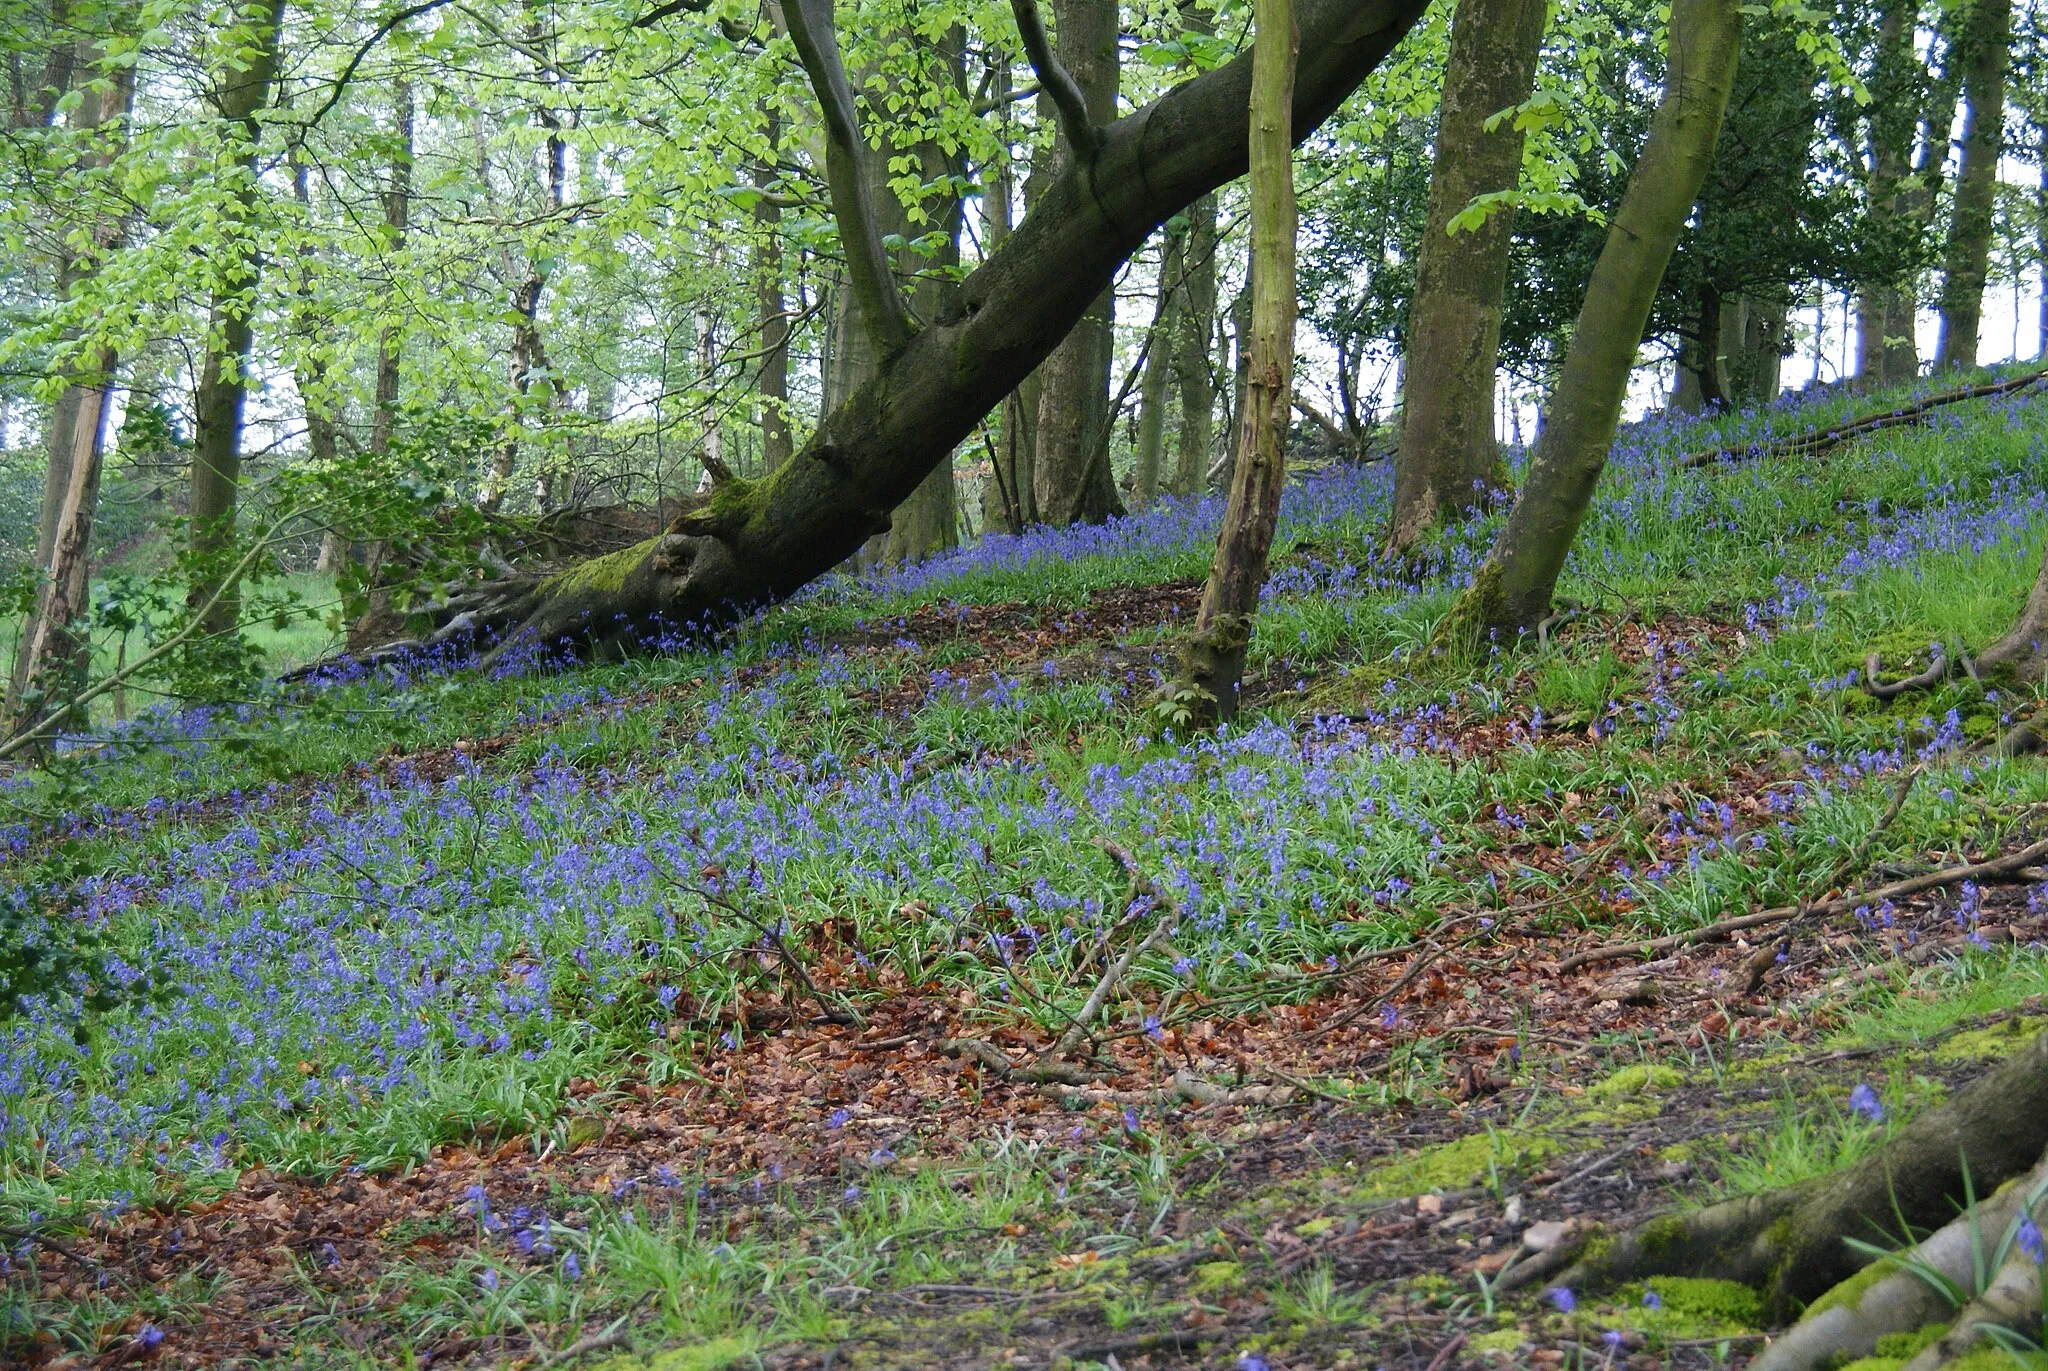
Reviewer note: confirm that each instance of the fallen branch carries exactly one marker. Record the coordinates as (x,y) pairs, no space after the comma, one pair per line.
(1824,440)
(1877,687)
(1141,885)
(1996,869)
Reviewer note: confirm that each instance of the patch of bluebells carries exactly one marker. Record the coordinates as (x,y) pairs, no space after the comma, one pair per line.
(333,951)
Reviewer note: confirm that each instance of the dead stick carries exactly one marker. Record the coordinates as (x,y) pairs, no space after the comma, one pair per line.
(1998,868)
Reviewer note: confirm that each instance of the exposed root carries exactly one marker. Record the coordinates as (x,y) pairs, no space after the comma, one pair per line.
(1936,673)
(1845,1325)
(1793,1244)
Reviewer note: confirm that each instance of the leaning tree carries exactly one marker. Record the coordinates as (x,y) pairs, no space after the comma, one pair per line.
(748,543)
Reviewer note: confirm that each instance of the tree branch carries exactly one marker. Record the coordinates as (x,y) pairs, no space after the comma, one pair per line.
(1082,136)
(874,285)
(348,73)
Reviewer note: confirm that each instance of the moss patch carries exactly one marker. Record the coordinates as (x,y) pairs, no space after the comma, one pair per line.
(1502,1340)
(1641,1079)
(1987,1044)
(711,1355)
(1713,1306)
(1456,1164)
(1211,1277)
(1850,1292)
(604,575)
(1905,1346)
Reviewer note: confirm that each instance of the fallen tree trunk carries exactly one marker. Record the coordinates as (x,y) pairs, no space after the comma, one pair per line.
(1827,439)
(756,542)
(1793,1244)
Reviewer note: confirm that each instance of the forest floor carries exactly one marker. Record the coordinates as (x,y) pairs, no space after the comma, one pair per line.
(679,1014)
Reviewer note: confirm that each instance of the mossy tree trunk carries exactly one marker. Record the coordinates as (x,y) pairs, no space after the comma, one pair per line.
(1986,47)
(1885,304)
(1448,460)
(1213,664)
(754,542)
(1513,590)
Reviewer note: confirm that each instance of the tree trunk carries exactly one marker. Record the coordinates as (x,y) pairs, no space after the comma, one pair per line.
(370,614)
(231,318)
(1194,369)
(1448,460)
(1512,592)
(1790,1244)
(1241,375)
(1009,502)
(772,382)
(1986,45)
(759,541)
(1158,371)
(1073,476)
(1213,665)
(529,354)
(1753,351)
(310,374)
(1893,83)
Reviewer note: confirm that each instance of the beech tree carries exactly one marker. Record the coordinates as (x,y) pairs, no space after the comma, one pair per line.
(752,541)
(1984,51)
(1213,664)
(1512,592)
(1448,458)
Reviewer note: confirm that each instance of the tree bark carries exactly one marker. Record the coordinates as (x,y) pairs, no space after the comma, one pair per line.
(1073,479)
(757,542)
(1894,79)
(1194,369)
(772,381)
(1009,503)
(1152,393)
(1789,1243)
(1986,47)
(1512,593)
(1213,665)
(1448,461)
(529,355)
(231,317)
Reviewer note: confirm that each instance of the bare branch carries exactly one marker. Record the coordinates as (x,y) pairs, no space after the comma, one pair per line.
(874,286)
(1082,136)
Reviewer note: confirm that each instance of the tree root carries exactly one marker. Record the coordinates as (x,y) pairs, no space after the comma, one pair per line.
(1937,671)
(1790,1243)
(1902,1298)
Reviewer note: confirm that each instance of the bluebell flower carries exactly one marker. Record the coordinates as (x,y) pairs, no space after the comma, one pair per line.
(1863,1100)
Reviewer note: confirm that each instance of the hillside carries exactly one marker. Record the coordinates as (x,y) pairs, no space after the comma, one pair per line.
(686,1011)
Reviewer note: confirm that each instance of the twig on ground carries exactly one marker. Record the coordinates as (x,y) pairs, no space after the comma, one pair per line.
(1169,919)
(1448,1351)
(1997,868)
(1822,440)
(1421,964)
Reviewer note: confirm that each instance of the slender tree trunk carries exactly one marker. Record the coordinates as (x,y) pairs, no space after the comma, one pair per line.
(1152,393)
(1448,460)
(1008,500)
(1986,46)
(1241,375)
(1214,663)
(231,319)
(1512,592)
(1074,480)
(760,541)
(2041,226)
(310,374)
(1753,353)
(1894,79)
(371,614)
(1194,369)
(529,350)
(772,381)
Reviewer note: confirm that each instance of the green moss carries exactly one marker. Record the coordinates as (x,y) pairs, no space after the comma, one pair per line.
(1987,1043)
(714,1354)
(1659,1234)
(1905,1346)
(1850,1292)
(1456,1164)
(1502,1340)
(1641,1079)
(604,575)
(1876,1364)
(1315,1227)
(1212,1277)
(1691,1307)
